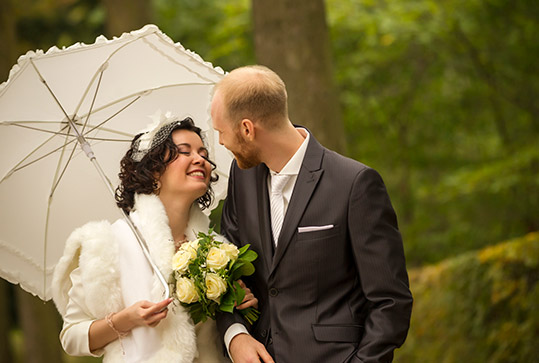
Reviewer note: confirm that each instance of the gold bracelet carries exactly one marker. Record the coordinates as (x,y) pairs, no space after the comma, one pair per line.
(121,334)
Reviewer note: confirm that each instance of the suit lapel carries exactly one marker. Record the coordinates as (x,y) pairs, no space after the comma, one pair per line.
(264,220)
(308,178)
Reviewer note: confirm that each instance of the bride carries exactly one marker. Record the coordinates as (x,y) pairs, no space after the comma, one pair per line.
(111,303)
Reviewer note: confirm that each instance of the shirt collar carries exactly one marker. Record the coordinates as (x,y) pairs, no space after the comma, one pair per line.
(294,164)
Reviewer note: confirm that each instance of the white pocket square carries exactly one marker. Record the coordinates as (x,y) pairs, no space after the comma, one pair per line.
(314,228)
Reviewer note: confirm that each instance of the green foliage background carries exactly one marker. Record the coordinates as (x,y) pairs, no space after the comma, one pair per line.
(440,97)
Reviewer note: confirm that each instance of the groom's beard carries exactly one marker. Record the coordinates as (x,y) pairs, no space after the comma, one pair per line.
(246,155)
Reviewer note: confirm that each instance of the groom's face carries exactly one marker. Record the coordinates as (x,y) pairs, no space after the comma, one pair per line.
(246,153)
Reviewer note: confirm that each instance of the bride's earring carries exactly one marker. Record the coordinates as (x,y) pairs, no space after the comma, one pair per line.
(156,186)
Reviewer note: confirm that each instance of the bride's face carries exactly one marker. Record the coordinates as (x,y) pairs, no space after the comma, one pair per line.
(190,173)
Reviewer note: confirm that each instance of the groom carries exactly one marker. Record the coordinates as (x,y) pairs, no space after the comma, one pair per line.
(331,277)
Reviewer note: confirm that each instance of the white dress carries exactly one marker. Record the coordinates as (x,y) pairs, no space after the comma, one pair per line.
(103,270)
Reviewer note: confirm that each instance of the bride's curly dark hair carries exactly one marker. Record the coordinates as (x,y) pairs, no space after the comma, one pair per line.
(139,177)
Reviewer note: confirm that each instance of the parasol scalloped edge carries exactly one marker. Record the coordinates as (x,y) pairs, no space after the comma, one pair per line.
(101,39)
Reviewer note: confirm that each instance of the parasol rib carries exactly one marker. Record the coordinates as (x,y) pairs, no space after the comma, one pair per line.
(18,165)
(64,134)
(146,92)
(57,177)
(100,70)
(93,101)
(98,126)
(56,181)
(92,128)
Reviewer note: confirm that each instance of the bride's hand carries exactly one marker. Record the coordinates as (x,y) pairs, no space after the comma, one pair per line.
(145,313)
(140,313)
(249,300)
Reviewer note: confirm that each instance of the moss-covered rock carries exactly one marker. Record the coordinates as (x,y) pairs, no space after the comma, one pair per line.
(479,307)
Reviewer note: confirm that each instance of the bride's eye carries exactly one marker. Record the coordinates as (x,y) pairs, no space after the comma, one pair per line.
(184,151)
(204,154)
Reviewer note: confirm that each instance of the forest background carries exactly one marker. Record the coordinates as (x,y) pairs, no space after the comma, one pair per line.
(439,96)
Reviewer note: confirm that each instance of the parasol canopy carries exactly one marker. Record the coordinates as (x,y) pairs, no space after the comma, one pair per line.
(106,91)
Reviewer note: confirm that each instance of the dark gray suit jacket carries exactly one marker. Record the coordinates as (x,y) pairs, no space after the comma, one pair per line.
(334,295)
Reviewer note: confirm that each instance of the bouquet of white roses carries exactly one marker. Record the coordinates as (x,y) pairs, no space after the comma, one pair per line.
(206,273)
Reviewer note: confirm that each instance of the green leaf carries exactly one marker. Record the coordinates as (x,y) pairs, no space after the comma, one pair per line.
(236,265)
(196,311)
(243,249)
(249,255)
(245,269)
(239,293)
(227,302)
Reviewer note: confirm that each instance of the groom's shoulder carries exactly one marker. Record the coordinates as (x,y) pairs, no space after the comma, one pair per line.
(345,164)
(331,159)
(345,171)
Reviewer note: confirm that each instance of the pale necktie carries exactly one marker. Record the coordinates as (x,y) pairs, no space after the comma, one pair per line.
(277,203)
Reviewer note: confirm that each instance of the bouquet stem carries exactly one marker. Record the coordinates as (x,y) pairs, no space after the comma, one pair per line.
(250,314)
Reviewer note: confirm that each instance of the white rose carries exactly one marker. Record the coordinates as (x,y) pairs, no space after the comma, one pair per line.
(180,260)
(185,290)
(217,258)
(215,286)
(231,251)
(191,247)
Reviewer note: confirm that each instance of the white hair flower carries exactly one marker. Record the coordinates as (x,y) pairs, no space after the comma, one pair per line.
(154,134)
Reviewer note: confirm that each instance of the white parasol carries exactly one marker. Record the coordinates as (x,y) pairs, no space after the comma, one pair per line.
(105,91)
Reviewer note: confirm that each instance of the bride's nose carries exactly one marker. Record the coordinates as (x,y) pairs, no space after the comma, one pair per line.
(198,159)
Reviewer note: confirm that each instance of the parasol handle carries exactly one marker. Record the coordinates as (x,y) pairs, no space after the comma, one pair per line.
(86,147)
(136,232)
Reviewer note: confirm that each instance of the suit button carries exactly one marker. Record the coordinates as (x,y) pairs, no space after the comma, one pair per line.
(264,333)
(273,292)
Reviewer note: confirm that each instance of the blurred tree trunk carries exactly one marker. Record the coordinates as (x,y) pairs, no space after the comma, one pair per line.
(8,56)
(292,38)
(126,15)
(40,323)
(6,320)
(8,50)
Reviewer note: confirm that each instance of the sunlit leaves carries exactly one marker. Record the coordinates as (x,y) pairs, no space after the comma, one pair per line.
(479,307)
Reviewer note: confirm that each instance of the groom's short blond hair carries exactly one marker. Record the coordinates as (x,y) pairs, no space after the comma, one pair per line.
(255,93)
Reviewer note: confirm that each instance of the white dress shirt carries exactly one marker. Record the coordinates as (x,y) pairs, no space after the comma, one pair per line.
(291,169)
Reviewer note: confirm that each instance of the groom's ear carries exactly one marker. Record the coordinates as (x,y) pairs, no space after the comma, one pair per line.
(247,129)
